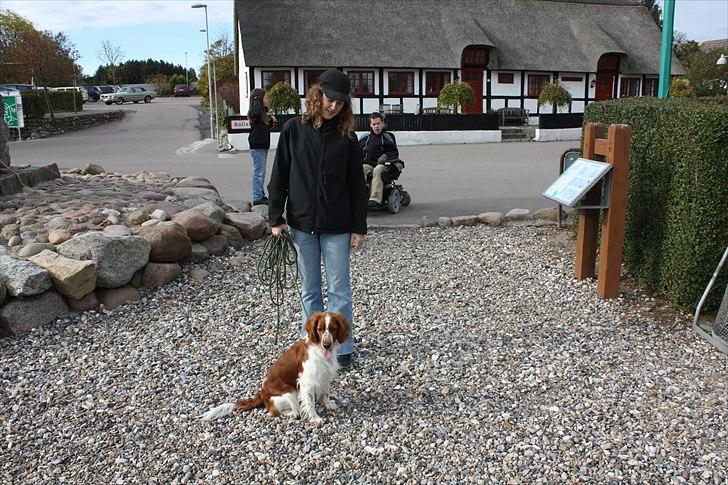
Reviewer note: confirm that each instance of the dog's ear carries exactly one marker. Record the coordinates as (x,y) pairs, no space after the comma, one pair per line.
(342,328)
(311,325)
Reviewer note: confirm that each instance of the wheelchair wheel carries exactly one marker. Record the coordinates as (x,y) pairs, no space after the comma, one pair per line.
(405,198)
(393,201)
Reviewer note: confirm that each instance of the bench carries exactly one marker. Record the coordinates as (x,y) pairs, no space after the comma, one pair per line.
(513,116)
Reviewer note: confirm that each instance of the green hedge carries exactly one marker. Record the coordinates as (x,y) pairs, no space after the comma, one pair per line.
(677,202)
(35,106)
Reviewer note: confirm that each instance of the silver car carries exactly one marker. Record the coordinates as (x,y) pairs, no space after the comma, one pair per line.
(129,94)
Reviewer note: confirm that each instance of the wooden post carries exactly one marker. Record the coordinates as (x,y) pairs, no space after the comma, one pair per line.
(610,248)
(586,240)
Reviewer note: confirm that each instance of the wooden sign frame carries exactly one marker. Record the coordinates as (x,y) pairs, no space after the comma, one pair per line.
(615,151)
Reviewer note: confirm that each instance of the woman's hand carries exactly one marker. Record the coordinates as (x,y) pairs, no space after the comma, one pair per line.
(357,241)
(278,230)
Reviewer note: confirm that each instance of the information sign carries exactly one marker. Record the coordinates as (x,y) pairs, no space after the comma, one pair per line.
(576,181)
(13,112)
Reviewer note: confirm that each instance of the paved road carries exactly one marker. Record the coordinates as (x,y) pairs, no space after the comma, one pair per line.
(170,135)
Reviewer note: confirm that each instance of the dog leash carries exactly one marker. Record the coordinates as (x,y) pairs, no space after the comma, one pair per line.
(278,269)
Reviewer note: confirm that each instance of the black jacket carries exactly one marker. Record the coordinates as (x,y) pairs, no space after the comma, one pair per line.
(259,136)
(317,177)
(374,146)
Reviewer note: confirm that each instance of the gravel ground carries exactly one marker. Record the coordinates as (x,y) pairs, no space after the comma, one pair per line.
(480,359)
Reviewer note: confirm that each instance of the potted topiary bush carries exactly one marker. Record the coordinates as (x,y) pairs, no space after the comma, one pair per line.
(456,94)
(555,95)
(282,98)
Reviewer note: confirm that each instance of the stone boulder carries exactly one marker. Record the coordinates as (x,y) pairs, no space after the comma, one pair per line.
(251,225)
(35,248)
(190,182)
(86,302)
(117,230)
(199,227)
(19,316)
(3,293)
(199,253)
(216,245)
(116,258)
(59,236)
(113,297)
(428,221)
(71,277)
(159,274)
(23,278)
(169,242)
(518,215)
(491,218)
(92,169)
(465,220)
(214,212)
(548,214)
(168,207)
(136,218)
(200,195)
(233,236)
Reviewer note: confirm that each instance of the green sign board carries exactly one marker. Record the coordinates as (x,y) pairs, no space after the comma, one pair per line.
(13,112)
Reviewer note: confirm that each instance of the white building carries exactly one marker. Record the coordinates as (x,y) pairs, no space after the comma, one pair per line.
(404,51)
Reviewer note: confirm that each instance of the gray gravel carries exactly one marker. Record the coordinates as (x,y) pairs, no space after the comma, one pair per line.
(480,359)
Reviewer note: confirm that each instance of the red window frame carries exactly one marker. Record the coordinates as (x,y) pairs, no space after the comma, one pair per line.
(401,83)
(629,87)
(362,82)
(310,76)
(536,83)
(435,81)
(274,77)
(505,78)
(649,87)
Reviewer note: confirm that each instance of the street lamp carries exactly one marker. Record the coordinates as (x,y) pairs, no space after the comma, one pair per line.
(209,77)
(187,71)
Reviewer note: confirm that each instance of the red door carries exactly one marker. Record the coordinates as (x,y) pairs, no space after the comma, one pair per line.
(474,77)
(605,87)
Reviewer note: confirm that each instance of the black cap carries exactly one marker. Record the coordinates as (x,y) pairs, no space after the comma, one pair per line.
(336,85)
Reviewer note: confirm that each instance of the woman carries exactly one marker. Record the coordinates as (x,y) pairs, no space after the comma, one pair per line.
(259,141)
(317,177)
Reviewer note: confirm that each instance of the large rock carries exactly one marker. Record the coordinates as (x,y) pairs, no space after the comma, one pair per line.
(86,302)
(518,215)
(465,220)
(199,253)
(234,238)
(548,214)
(3,292)
(117,230)
(19,316)
(216,245)
(197,194)
(159,274)
(71,277)
(23,278)
(191,182)
(92,169)
(116,258)
(250,224)
(59,236)
(491,218)
(199,227)
(168,207)
(136,218)
(169,242)
(113,297)
(211,210)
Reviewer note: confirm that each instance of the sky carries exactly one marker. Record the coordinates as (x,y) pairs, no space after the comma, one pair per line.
(165,29)
(157,29)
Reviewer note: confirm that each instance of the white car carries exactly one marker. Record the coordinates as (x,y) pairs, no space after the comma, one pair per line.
(129,94)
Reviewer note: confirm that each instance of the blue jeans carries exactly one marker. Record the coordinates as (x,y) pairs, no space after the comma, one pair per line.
(335,251)
(259,157)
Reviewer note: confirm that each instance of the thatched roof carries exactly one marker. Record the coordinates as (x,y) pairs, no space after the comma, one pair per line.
(544,35)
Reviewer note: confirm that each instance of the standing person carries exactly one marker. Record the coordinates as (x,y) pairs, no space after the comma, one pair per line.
(259,141)
(378,146)
(317,178)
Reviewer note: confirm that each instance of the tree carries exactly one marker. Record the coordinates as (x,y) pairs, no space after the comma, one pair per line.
(224,70)
(282,97)
(110,55)
(706,78)
(680,88)
(555,95)
(12,27)
(162,83)
(456,94)
(655,11)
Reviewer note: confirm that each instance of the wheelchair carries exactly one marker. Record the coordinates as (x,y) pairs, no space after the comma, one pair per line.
(394,196)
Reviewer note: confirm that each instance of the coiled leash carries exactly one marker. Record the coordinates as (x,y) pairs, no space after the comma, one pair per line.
(278,269)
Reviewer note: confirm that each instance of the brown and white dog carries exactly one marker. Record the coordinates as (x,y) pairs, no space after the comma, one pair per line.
(301,375)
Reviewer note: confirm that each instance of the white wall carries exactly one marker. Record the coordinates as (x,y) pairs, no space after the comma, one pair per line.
(497,89)
(575,88)
(558,134)
(243,75)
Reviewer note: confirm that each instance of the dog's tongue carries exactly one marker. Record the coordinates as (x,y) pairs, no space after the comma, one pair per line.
(327,353)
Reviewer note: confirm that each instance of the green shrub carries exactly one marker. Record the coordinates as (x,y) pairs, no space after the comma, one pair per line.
(555,95)
(680,87)
(282,98)
(453,95)
(677,224)
(34,105)
(63,100)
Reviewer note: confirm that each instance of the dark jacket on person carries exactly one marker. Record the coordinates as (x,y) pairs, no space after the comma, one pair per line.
(374,146)
(259,136)
(317,178)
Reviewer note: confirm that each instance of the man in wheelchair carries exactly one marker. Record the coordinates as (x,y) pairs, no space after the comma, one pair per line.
(380,157)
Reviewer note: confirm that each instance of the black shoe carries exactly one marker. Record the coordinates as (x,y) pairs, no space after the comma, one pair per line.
(373,204)
(261,201)
(345,360)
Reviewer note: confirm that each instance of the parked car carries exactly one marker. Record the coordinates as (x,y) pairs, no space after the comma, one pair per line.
(129,94)
(19,87)
(84,93)
(106,89)
(94,93)
(182,90)
(6,90)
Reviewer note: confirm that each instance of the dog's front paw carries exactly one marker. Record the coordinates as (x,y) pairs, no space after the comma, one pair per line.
(316,420)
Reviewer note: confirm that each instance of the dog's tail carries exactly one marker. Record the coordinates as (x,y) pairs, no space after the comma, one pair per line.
(229,408)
